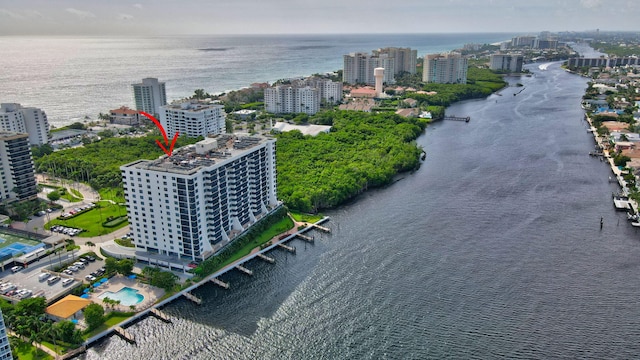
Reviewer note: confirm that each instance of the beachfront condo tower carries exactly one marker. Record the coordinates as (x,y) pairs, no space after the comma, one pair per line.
(193,118)
(149,95)
(448,68)
(28,120)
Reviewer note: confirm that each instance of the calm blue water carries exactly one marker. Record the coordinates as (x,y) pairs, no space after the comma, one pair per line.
(126,295)
(70,78)
(492,249)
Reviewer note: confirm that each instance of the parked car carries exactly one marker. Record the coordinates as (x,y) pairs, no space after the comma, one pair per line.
(73,268)
(23,294)
(90,278)
(16,268)
(90,258)
(67,282)
(68,272)
(83,261)
(52,280)
(43,276)
(79,265)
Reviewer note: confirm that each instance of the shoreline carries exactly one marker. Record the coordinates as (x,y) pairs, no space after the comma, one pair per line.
(614,169)
(147,312)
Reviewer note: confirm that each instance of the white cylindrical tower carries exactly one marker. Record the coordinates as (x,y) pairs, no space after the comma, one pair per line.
(378,74)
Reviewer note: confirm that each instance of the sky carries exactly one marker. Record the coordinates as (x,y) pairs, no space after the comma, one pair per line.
(176,17)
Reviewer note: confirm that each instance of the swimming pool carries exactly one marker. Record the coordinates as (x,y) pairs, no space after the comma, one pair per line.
(126,295)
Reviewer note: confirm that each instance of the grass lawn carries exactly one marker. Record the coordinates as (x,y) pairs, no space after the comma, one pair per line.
(277,228)
(112,321)
(91,221)
(76,193)
(69,197)
(310,218)
(27,351)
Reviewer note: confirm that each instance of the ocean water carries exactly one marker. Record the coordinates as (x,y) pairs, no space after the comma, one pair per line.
(74,77)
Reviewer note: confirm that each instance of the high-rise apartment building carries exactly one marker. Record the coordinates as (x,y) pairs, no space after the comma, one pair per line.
(149,95)
(292,99)
(405,59)
(197,200)
(358,68)
(330,91)
(5,348)
(16,168)
(193,119)
(506,62)
(449,68)
(28,120)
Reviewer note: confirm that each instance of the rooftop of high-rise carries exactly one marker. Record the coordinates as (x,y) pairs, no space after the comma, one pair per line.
(190,159)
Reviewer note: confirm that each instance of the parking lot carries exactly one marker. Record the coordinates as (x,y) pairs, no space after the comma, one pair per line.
(28,278)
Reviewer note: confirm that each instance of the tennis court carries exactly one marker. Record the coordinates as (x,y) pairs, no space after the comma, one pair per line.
(11,245)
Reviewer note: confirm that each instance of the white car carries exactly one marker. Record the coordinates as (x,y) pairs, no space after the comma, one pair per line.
(90,278)
(66,282)
(16,268)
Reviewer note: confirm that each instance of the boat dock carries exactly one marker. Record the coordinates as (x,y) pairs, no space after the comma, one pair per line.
(153,311)
(266,258)
(244,269)
(325,229)
(160,315)
(124,334)
(192,297)
(457,118)
(220,283)
(290,249)
(305,237)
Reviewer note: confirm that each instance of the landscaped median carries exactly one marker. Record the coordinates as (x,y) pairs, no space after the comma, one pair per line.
(101,219)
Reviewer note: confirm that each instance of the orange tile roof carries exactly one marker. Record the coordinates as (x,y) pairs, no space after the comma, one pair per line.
(68,306)
(124,111)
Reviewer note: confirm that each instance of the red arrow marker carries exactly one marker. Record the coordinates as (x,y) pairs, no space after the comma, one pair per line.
(164,135)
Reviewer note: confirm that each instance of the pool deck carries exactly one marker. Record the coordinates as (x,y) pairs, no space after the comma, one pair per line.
(151,294)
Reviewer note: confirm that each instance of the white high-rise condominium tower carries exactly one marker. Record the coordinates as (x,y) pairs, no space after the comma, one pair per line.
(29,120)
(292,99)
(149,95)
(449,68)
(358,68)
(197,200)
(509,62)
(193,119)
(405,59)
(5,348)
(16,168)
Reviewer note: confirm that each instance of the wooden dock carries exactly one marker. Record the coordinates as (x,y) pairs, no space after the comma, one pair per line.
(124,334)
(304,237)
(192,297)
(244,269)
(457,118)
(220,283)
(160,315)
(266,258)
(325,229)
(290,249)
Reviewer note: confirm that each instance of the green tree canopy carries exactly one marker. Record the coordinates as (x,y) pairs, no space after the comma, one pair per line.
(94,315)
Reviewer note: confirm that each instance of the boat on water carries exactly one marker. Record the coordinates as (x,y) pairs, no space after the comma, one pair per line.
(621,202)
(635,224)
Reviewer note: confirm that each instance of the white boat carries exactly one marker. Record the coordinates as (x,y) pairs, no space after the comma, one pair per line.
(621,203)
(635,223)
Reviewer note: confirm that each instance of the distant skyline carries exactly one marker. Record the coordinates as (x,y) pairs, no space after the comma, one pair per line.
(168,17)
